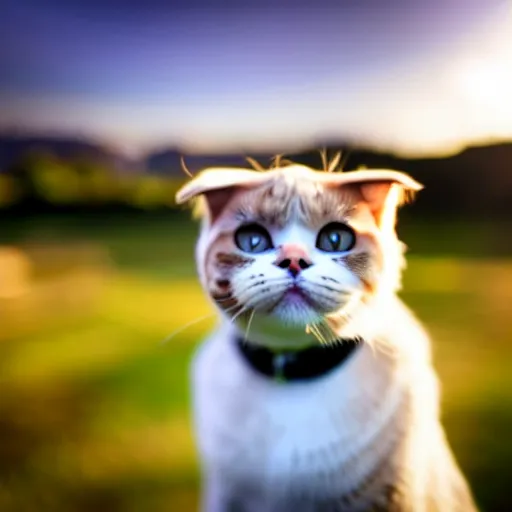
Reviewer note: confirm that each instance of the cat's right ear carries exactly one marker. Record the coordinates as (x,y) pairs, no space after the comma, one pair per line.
(216,186)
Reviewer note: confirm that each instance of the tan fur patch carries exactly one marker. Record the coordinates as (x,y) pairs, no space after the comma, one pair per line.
(358,263)
(366,262)
(233,260)
(276,202)
(326,205)
(225,301)
(270,204)
(221,263)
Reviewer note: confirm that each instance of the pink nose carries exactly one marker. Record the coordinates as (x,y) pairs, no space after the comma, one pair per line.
(293,257)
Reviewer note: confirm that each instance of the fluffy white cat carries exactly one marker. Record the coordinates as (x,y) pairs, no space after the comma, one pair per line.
(316,391)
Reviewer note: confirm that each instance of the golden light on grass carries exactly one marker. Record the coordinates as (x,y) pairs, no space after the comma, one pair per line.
(48,285)
(153,448)
(15,272)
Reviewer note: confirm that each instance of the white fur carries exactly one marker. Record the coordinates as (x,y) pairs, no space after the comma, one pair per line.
(251,428)
(323,436)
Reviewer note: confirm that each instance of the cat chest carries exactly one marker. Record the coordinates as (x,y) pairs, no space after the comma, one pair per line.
(283,436)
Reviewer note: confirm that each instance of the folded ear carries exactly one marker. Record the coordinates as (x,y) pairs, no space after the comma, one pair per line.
(217,186)
(383,190)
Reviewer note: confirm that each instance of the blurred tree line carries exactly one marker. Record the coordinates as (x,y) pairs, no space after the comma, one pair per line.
(65,174)
(473,184)
(41,180)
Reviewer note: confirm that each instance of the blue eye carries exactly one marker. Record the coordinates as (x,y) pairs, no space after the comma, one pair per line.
(253,238)
(336,237)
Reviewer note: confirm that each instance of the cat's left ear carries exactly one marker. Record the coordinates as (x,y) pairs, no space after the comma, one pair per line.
(383,190)
(217,186)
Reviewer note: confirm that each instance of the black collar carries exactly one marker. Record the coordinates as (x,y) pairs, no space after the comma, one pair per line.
(294,365)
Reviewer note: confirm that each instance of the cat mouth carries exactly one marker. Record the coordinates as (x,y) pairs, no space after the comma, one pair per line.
(296,294)
(295,289)
(297,298)
(294,306)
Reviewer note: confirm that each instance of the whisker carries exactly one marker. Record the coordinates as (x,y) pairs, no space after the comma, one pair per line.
(316,296)
(255,164)
(334,162)
(262,285)
(184,327)
(265,282)
(236,315)
(310,330)
(246,336)
(330,288)
(184,167)
(223,299)
(323,156)
(321,330)
(328,278)
(262,301)
(232,308)
(316,332)
(330,334)
(344,160)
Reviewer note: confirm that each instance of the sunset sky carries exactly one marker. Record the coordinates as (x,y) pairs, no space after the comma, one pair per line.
(408,76)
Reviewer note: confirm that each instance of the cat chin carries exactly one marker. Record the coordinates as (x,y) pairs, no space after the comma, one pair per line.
(286,326)
(274,331)
(293,322)
(297,312)
(296,315)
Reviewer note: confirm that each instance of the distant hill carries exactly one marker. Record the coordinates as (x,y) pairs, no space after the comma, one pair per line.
(14,147)
(477,182)
(168,162)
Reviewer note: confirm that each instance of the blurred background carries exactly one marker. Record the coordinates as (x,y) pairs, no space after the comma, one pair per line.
(98,102)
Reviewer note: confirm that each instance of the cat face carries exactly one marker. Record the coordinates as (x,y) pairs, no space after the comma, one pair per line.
(295,245)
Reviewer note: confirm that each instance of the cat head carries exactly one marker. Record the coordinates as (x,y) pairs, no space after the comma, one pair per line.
(300,247)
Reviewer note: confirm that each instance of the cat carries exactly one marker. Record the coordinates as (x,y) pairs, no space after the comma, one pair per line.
(316,391)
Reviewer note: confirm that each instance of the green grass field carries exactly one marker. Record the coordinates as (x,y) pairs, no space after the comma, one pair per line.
(94,409)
